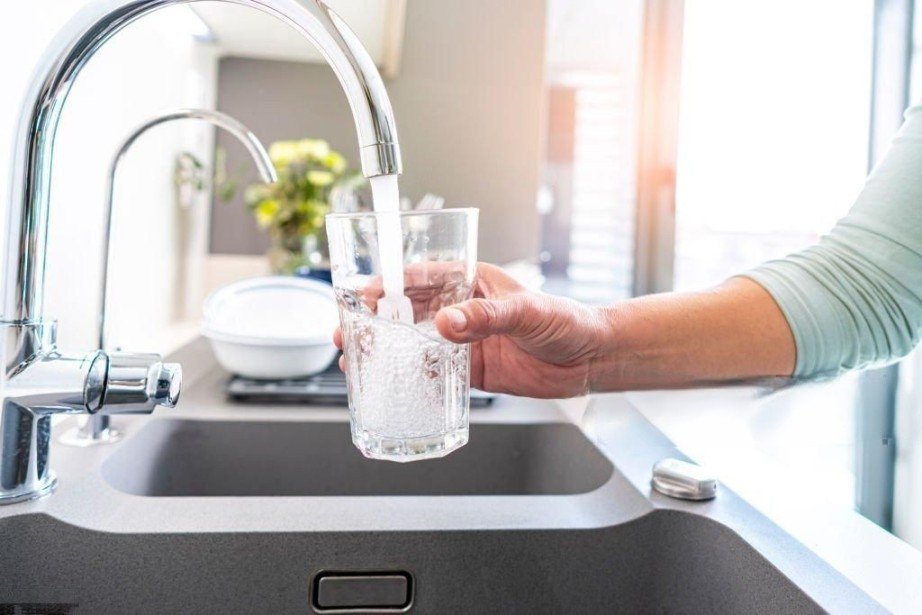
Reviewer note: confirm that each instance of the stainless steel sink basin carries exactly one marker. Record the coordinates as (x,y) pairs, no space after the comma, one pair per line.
(248,458)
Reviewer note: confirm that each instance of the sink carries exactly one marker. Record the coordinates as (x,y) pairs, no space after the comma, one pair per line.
(664,562)
(233,509)
(176,458)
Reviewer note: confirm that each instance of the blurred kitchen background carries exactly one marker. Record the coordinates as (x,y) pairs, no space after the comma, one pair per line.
(614,148)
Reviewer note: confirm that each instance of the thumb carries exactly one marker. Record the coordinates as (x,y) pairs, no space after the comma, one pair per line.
(479,318)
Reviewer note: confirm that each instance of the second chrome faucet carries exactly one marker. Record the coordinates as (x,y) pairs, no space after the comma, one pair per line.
(97,428)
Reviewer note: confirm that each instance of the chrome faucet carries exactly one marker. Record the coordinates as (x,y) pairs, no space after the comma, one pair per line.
(36,381)
(97,428)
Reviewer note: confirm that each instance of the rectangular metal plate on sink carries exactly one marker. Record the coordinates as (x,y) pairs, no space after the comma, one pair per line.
(365,592)
(326,388)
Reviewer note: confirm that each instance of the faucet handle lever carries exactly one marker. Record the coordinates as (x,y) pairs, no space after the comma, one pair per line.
(136,382)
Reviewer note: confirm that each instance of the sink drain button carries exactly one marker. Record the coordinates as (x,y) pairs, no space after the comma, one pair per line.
(683,480)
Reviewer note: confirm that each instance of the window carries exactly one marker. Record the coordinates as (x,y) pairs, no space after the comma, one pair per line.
(592,63)
(773,129)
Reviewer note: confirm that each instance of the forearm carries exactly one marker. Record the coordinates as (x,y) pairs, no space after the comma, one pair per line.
(732,332)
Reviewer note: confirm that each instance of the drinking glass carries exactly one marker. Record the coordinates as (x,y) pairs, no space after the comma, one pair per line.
(408,386)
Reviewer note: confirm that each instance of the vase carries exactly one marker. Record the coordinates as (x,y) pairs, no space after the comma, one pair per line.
(305,256)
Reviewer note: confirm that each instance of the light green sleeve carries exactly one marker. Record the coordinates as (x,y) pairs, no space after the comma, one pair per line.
(855,298)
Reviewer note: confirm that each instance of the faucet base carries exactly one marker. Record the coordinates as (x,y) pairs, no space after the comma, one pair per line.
(97,430)
(44,487)
(76,437)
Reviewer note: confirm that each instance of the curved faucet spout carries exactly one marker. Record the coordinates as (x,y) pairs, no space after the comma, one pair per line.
(243,134)
(70,50)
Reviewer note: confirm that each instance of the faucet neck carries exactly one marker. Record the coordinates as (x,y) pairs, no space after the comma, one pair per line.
(24,275)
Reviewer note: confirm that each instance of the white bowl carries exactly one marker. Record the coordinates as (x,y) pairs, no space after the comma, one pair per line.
(269,360)
(272,327)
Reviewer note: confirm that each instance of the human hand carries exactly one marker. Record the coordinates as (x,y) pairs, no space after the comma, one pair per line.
(522,342)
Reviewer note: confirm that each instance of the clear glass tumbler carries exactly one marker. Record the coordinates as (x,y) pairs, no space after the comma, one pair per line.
(408,386)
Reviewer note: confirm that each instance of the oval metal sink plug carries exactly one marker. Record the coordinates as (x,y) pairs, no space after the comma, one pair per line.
(683,480)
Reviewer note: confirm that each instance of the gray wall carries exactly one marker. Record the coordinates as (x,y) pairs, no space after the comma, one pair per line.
(468,100)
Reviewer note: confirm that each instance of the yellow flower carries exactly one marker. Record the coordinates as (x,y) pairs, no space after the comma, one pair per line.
(320,178)
(265,212)
(283,153)
(310,216)
(335,162)
(312,148)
